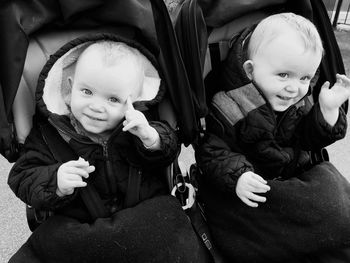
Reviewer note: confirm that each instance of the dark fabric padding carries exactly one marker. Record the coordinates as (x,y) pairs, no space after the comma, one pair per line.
(302,215)
(157,230)
(219,12)
(25,255)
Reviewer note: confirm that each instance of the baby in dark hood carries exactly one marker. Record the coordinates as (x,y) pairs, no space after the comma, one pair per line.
(108,77)
(101,98)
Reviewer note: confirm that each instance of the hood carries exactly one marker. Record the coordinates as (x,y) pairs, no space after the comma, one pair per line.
(53,83)
(233,75)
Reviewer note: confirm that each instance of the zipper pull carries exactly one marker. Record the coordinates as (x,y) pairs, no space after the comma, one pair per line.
(105,149)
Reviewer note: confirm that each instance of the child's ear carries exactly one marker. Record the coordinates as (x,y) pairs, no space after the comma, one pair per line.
(70,82)
(67,93)
(248,67)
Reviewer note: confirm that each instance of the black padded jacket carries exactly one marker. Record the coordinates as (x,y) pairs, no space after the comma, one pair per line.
(33,178)
(245,134)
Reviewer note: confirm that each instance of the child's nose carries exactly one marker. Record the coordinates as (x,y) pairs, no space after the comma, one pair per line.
(293,87)
(96,106)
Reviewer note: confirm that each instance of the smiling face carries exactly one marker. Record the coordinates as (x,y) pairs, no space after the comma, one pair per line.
(283,69)
(99,92)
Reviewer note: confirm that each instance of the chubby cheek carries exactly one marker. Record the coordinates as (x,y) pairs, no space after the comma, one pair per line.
(76,109)
(303,91)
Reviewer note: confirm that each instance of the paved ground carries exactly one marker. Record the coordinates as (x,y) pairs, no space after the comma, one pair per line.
(13,226)
(340,151)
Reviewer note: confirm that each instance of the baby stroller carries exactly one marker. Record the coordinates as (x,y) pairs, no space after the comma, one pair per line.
(33,25)
(206,30)
(33,31)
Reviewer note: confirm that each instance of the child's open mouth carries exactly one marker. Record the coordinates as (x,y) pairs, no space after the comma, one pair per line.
(284,97)
(94,118)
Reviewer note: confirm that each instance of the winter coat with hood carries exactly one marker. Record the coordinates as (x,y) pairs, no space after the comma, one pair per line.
(33,178)
(245,134)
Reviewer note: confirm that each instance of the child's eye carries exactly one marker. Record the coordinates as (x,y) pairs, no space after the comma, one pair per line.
(283,75)
(87,91)
(113,99)
(306,78)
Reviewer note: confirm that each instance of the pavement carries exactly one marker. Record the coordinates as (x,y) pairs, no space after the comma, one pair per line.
(339,152)
(13,226)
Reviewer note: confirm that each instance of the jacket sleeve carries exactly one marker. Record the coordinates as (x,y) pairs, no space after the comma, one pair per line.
(169,146)
(221,166)
(33,178)
(315,133)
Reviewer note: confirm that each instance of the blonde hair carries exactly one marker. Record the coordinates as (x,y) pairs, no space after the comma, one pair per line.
(272,27)
(112,53)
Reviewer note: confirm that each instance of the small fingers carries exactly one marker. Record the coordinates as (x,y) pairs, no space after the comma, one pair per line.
(70,182)
(257,198)
(129,105)
(258,184)
(76,181)
(90,169)
(248,202)
(343,80)
(326,85)
(259,178)
(251,199)
(80,163)
(341,77)
(258,187)
(129,125)
(75,184)
(81,172)
(134,119)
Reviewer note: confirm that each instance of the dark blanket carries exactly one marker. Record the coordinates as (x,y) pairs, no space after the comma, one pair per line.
(157,230)
(302,215)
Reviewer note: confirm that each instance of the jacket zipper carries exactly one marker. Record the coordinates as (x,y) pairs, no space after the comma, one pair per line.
(108,168)
(104,145)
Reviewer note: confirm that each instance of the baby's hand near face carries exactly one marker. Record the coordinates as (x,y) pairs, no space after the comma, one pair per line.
(137,124)
(248,185)
(70,175)
(332,98)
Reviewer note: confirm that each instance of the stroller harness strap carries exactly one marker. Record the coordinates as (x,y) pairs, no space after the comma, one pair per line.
(59,147)
(133,190)
(201,228)
(8,145)
(193,209)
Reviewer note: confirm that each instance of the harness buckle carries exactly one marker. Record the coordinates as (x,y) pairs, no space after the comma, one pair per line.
(186,189)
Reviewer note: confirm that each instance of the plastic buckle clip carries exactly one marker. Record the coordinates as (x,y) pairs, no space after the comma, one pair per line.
(190,195)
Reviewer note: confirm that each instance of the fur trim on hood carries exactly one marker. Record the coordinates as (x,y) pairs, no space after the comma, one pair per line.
(53,86)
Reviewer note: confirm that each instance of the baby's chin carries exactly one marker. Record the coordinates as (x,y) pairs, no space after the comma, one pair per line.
(95,130)
(280,108)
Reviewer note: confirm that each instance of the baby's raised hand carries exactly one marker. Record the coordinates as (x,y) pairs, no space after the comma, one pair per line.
(248,185)
(137,124)
(332,98)
(70,175)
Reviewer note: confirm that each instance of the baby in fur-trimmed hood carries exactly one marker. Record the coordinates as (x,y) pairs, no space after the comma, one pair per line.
(57,80)
(95,83)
